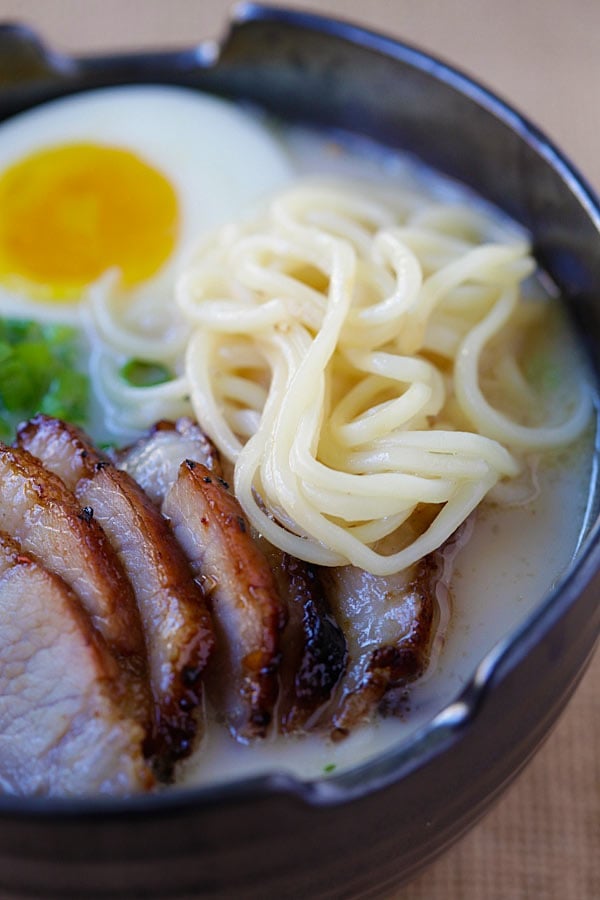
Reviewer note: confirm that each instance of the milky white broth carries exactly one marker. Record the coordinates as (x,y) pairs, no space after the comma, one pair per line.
(513,558)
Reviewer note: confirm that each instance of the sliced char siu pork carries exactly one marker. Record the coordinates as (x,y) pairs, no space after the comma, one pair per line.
(43,516)
(179,467)
(64,728)
(315,647)
(172,606)
(248,613)
(48,522)
(155,458)
(314,650)
(389,623)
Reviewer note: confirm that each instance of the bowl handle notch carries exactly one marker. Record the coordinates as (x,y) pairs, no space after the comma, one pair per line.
(25,58)
(31,72)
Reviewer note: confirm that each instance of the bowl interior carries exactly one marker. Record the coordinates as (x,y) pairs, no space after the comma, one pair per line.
(330,75)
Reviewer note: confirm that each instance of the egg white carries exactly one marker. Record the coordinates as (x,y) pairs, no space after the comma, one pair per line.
(219,158)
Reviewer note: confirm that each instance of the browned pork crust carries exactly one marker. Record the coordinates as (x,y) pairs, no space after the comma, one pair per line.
(313,656)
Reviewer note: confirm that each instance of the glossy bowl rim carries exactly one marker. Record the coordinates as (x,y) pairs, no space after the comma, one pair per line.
(452,722)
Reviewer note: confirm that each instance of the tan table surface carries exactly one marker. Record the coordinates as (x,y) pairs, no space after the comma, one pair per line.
(542,840)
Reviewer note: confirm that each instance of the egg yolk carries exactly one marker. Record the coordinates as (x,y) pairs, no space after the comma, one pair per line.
(71,212)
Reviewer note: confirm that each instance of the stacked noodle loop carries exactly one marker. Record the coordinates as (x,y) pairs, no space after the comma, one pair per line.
(334,350)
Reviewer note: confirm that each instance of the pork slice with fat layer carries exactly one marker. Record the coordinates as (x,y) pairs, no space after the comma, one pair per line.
(47,521)
(389,623)
(64,726)
(155,458)
(247,612)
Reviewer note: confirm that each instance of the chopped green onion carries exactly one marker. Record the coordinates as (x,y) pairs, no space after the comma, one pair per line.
(5,429)
(25,376)
(67,397)
(139,373)
(329,768)
(39,373)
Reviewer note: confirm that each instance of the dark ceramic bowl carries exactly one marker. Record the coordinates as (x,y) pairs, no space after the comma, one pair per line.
(358,833)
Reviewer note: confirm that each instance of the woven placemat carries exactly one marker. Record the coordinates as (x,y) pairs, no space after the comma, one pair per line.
(542,839)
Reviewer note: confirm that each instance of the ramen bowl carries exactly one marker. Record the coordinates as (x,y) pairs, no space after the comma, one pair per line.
(364,830)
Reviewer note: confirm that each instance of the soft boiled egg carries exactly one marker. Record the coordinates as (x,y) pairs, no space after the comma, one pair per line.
(122,179)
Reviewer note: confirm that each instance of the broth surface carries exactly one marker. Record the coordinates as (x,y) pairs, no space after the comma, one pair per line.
(526,548)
